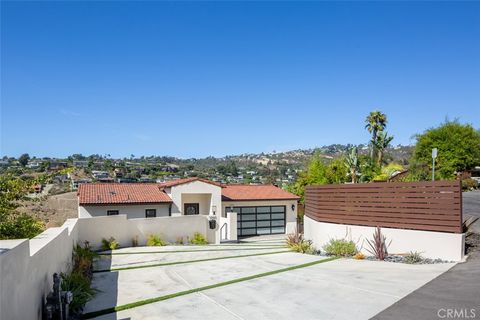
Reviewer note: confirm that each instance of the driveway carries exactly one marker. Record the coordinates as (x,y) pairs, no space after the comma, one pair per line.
(471,207)
(251,280)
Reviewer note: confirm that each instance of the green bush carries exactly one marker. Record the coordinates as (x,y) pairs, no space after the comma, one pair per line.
(110,244)
(303,246)
(79,285)
(19,226)
(468,184)
(413,257)
(83,259)
(155,241)
(340,247)
(198,238)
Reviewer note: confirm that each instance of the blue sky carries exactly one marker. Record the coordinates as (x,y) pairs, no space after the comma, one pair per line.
(193,79)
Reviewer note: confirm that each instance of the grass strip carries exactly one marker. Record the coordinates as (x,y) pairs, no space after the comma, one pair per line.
(94,314)
(188,261)
(177,251)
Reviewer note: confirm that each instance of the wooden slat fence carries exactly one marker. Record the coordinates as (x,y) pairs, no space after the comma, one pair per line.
(431,206)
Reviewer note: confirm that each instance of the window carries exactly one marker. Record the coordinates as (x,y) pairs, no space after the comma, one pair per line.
(150,213)
(112,212)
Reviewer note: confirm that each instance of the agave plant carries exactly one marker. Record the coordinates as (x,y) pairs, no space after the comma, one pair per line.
(379,246)
(294,238)
(352,163)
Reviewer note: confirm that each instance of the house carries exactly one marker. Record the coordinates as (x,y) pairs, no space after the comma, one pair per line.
(34,164)
(79,164)
(57,165)
(260,209)
(76,182)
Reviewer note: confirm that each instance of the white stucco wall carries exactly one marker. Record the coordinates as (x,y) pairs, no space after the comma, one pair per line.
(132,211)
(446,246)
(27,266)
(206,194)
(291,215)
(124,230)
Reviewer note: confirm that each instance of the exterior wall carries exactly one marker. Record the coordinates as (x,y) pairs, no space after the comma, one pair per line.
(27,266)
(132,211)
(203,200)
(124,230)
(207,194)
(228,227)
(291,215)
(431,244)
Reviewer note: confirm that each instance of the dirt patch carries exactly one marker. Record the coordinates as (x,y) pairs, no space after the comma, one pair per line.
(472,243)
(54,210)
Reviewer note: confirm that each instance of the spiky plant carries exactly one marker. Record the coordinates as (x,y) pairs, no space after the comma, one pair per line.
(352,163)
(378,246)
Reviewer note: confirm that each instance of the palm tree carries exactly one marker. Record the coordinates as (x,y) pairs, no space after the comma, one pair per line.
(376,121)
(351,161)
(381,143)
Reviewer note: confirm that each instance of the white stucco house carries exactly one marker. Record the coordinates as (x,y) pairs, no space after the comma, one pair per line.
(257,209)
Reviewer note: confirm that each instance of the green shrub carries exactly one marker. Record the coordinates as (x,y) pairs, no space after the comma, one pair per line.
(296,243)
(79,285)
(198,238)
(110,244)
(413,257)
(83,259)
(303,246)
(340,247)
(155,241)
(469,184)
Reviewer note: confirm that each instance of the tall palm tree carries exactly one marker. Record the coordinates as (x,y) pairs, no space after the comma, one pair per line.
(381,143)
(376,121)
(352,163)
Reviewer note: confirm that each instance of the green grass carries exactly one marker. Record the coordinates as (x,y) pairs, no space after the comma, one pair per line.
(176,251)
(94,314)
(189,261)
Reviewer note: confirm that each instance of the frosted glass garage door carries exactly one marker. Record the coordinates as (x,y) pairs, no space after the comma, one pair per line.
(260,220)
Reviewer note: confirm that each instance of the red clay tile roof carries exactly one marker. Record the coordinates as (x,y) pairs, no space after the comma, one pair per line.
(255,192)
(177,182)
(121,193)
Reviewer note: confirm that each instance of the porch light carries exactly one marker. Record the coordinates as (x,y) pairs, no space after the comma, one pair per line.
(293,207)
(214,209)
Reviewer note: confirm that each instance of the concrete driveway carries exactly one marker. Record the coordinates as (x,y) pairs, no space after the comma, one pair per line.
(471,207)
(256,280)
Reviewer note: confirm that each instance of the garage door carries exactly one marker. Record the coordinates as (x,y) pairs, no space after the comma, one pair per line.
(253,221)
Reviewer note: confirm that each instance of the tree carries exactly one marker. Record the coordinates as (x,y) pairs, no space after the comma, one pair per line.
(316,173)
(381,144)
(13,224)
(376,121)
(23,159)
(352,164)
(336,171)
(458,148)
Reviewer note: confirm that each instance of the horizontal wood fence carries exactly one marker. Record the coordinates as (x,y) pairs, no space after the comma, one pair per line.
(431,206)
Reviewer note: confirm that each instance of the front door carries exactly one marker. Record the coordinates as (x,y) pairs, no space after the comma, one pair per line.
(191,208)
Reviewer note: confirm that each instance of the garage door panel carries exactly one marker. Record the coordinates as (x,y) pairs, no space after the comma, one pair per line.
(263,223)
(263,216)
(278,223)
(260,220)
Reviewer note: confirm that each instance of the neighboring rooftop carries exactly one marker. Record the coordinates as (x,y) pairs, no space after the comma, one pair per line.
(255,192)
(121,193)
(177,182)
